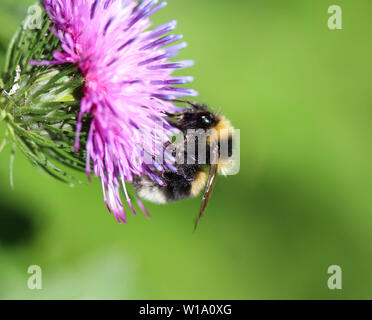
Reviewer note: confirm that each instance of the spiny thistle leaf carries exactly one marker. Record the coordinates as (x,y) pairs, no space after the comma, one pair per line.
(40,104)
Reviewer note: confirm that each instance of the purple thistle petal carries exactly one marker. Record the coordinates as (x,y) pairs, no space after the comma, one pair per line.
(162,41)
(107,4)
(158,7)
(174,50)
(168,27)
(93,9)
(176,65)
(154,176)
(43,63)
(151,60)
(180,80)
(127,197)
(164,96)
(143,208)
(181,91)
(170,167)
(126,44)
(107,26)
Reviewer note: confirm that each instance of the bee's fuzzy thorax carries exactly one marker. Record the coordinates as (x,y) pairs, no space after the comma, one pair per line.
(224,131)
(199,183)
(148,190)
(223,126)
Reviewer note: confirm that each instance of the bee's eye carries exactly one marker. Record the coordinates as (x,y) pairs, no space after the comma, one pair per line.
(205,121)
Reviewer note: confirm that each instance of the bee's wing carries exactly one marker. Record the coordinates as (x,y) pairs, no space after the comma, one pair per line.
(208,191)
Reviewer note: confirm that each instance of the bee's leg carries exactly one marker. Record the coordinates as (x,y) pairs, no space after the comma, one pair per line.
(207,192)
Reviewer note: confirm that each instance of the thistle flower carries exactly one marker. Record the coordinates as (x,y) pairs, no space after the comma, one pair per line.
(128,84)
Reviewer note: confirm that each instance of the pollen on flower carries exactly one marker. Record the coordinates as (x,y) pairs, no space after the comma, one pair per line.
(128,84)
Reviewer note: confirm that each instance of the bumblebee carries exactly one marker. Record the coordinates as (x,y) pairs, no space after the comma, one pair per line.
(187,180)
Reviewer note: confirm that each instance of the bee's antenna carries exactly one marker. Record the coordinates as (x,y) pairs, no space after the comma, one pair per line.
(207,192)
(172,115)
(193,104)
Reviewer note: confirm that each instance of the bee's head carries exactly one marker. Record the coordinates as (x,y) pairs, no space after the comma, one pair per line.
(206,120)
(196,116)
(199,119)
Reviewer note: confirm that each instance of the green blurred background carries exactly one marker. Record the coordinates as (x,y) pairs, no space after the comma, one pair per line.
(301,95)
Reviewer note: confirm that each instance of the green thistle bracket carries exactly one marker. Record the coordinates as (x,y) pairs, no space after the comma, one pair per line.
(40,104)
